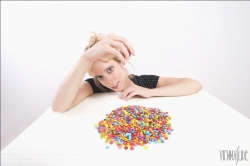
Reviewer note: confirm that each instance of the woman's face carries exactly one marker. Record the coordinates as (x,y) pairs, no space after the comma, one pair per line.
(110,74)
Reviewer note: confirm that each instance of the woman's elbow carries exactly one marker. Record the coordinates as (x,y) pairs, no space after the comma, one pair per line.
(55,109)
(198,86)
(194,86)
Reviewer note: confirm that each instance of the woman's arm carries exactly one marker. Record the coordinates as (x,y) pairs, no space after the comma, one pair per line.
(68,89)
(165,87)
(175,87)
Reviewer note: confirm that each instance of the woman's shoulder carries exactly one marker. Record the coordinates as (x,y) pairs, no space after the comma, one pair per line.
(94,87)
(145,80)
(145,76)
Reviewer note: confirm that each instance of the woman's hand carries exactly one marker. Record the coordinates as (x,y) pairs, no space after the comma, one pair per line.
(133,90)
(110,45)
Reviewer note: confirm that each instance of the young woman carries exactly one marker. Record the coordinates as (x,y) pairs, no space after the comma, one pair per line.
(104,59)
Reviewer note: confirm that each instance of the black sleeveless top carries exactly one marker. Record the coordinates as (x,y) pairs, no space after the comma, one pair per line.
(146,81)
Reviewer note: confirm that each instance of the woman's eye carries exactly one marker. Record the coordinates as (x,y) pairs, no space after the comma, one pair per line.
(99,77)
(110,69)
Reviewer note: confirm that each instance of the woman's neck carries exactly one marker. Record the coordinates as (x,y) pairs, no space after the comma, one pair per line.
(128,83)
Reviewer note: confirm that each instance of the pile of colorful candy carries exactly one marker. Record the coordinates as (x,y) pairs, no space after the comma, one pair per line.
(130,126)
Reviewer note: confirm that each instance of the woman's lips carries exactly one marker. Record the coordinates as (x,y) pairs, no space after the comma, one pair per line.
(115,87)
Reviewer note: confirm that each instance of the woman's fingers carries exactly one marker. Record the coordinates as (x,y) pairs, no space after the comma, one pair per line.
(131,91)
(126,92)
(121,48)
(115,52)
(124,41)
(131,95)
(114,45)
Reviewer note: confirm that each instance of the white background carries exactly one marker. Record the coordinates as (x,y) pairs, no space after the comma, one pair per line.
(41,42)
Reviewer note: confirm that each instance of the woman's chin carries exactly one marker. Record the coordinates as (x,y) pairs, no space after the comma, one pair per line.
(116,90)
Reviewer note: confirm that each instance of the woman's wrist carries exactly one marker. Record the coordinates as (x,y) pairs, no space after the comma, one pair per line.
(153,92)
(85,57)
(84,60)
(150,93)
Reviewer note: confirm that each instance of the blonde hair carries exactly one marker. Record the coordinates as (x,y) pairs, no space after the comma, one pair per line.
(92,41)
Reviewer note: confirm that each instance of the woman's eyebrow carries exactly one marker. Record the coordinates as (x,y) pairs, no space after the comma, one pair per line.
(104,70)
(108,67)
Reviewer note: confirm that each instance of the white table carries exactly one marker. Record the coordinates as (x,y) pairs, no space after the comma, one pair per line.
(203,126)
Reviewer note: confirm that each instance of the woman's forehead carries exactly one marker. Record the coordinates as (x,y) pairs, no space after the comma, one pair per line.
(99,66)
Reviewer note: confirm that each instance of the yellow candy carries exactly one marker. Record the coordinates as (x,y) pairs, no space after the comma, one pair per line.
(146,147)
